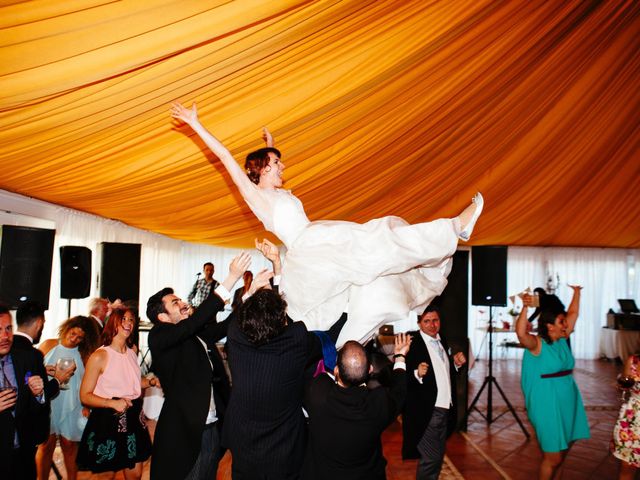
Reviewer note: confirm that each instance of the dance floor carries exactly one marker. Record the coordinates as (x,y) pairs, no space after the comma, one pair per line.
(501,450)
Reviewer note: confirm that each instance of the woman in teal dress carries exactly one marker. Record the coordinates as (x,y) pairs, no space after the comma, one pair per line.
(77,338)
(553,401)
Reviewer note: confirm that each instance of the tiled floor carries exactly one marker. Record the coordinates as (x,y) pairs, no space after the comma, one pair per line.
(501,450)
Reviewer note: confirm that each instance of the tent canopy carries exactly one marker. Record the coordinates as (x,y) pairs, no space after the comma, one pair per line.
(379,107)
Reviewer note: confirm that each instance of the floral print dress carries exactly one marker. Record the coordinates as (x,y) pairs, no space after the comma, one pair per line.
(626,433)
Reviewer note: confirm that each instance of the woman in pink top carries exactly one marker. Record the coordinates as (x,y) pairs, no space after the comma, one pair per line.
(116,436)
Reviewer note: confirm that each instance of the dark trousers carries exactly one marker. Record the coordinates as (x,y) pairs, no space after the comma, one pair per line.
(432,445)
(206,464)
(23,463)
(246,472)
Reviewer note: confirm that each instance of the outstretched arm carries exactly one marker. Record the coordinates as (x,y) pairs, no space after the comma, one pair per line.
(190,116)
(527,340)
(574,309)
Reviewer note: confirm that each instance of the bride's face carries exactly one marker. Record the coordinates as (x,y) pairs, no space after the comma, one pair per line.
(271,175)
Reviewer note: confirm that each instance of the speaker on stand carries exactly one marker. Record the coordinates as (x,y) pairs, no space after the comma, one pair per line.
(75,273)
(489,288)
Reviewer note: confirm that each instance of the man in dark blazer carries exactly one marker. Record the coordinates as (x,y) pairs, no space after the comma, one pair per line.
(270,357)
(196,387)
(21,405)
(30,321)
(346,419)
(429,413)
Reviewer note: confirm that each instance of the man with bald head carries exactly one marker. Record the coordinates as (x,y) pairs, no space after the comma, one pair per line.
(346,419)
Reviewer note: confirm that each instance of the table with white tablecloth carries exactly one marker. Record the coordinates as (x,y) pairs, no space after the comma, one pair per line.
(618,343)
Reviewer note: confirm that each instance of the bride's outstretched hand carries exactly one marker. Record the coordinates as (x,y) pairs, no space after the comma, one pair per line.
(188,116)
(267,137)
(268,249)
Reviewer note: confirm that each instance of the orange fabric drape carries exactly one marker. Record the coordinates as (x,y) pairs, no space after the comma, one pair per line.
(380,107)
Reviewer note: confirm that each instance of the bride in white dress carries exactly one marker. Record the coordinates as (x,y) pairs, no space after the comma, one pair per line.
(377,272)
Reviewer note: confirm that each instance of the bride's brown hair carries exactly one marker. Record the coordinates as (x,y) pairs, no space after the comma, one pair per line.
(257,161)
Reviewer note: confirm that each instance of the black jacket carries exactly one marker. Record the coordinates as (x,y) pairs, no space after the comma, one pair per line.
(180,362)
(421,397)
(345,425)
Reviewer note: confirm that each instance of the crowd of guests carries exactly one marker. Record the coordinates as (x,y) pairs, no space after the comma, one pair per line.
(297,409)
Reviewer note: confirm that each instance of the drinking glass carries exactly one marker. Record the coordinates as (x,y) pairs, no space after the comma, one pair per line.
(65,364)
(625,382)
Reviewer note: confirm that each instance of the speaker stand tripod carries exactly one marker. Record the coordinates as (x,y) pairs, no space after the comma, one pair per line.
(489,381)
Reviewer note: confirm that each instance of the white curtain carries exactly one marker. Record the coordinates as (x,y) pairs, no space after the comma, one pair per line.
(164,262)
(604,274)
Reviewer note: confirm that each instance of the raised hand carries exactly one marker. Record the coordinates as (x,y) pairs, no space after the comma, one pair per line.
(402,343)
(261,280)
(268,249)
(238,266)
(188,116)
(575,288)
(267,137)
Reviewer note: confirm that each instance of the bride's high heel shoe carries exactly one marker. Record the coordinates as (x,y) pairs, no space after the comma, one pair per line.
(478,200)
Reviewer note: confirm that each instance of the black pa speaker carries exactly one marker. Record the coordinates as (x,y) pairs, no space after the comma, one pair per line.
(75,272)
(454,314)
(120,271)
(489,276)
(25,265)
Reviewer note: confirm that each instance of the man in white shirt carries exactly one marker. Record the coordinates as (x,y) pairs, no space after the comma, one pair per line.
(429,413)
(98,310)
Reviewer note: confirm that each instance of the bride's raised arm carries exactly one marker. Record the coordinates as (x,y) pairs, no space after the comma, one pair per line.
(190,116)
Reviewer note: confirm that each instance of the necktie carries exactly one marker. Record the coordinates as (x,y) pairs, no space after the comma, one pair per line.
(6,383)
(436,344)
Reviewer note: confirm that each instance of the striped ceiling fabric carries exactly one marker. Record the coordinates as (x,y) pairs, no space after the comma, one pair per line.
(379,107)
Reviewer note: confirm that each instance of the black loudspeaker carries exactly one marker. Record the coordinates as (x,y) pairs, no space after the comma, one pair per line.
(454,316)
(489,276)
(120,271)
(25,265)
(75,272)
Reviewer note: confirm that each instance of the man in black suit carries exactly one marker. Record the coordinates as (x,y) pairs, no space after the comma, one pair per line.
(195,384)
(346,419)
(429,413)
(21,404)
(30,321)
(269,358)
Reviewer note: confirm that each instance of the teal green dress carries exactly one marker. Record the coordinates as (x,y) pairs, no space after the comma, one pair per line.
(554,405)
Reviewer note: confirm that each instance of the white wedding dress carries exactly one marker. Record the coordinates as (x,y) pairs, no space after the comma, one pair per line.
(378,272)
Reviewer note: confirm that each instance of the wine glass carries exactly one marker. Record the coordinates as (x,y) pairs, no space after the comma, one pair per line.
(625,382)
(65,364)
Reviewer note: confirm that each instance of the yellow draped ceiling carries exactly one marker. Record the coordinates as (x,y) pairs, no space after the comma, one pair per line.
(380,107)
